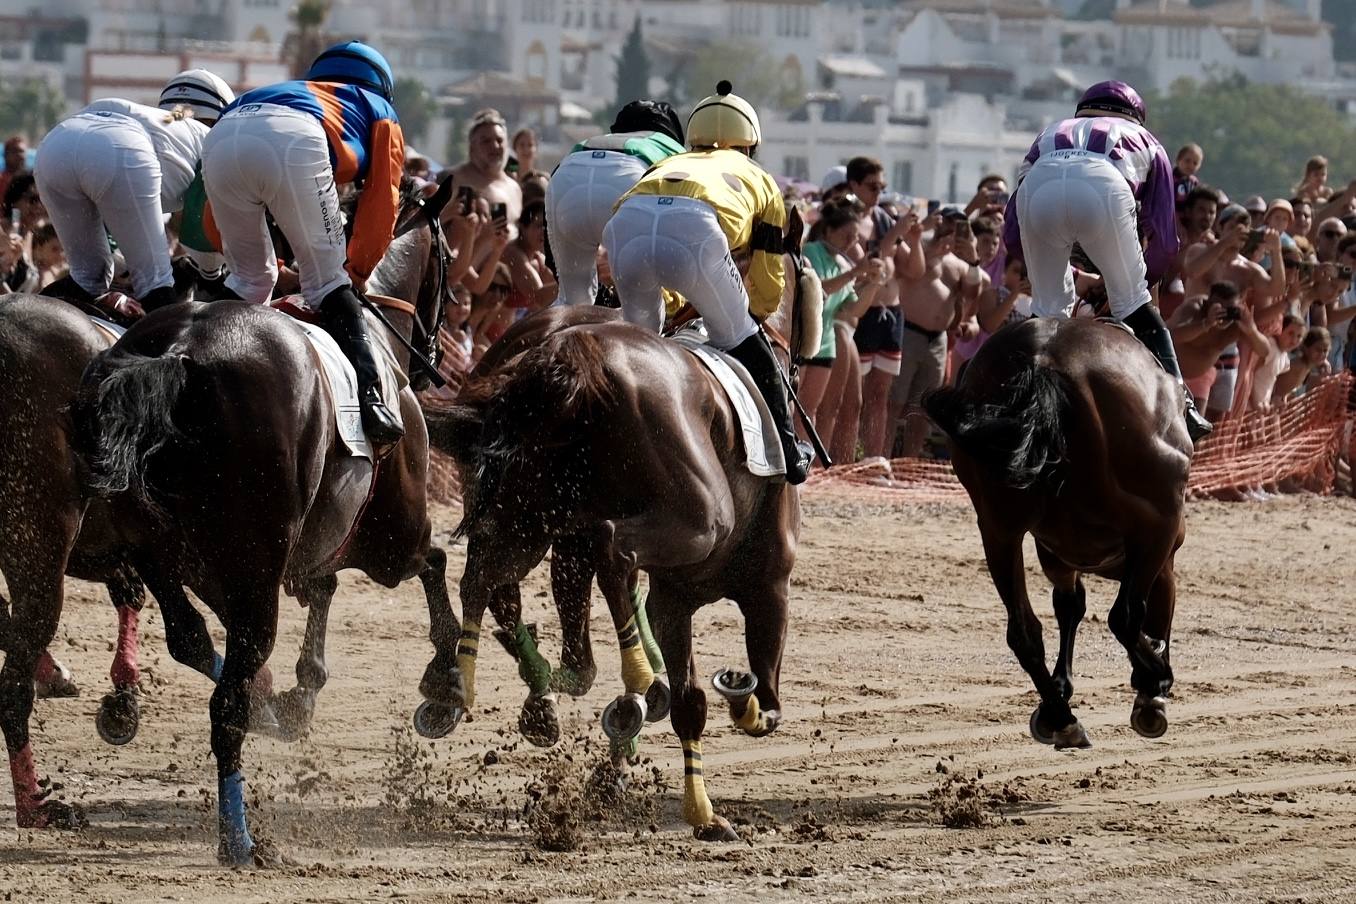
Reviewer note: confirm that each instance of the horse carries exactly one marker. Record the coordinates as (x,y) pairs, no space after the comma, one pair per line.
(607,432)
(1070,431)
(47,531)
(572,573)
(209,430)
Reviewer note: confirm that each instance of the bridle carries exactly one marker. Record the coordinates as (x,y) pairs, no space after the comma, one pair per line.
(423,346)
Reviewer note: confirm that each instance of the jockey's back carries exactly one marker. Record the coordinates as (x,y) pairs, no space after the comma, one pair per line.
(177,142)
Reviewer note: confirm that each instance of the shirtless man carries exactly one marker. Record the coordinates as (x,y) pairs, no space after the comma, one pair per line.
(877,337)
(487,152)
(1207,263)
(931,305)
(1195,220)
(1203,327)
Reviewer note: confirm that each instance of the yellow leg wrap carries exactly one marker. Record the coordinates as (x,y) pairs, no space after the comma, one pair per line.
(636,672)
(467,648)
(752,720)
(697,809)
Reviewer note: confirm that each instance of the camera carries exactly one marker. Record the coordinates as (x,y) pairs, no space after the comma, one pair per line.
(1232,313)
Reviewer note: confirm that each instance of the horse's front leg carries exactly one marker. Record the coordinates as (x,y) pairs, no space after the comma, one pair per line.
(1052,722)
(755,705)
(571,586)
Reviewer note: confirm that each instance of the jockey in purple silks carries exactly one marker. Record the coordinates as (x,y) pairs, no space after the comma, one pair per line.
(1101,179)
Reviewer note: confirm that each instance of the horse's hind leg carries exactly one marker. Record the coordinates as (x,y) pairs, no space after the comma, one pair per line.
(625,717)
(571,585)
(294,709)
(538,720)
(1070,603)
(1147,580)
(1052,722)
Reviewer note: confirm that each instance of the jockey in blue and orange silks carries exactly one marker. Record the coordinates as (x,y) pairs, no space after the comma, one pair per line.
(1102,180)
(285,148)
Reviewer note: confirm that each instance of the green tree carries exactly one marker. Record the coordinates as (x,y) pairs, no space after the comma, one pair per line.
(30,107)
(633,69)
(415,106)
(309,38)
(755,76)
(1256,138)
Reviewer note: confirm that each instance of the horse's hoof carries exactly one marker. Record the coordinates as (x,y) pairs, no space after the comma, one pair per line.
(292,712)
(239,856)
(569,681)
(658,699)
(443,687)
(264,720)
(1042,733)
(538,721)
(624,717)
(734,685)
(118,717)
(716,830)
(621,751)
(1072,736)
(61,685)
(52,814)
(1149,718)
(434,720)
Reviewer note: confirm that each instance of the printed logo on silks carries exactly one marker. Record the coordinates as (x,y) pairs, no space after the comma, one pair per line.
(665,201)
(598,155)
(249,108)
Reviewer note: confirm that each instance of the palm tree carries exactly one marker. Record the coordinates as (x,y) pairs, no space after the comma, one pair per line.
(309,17)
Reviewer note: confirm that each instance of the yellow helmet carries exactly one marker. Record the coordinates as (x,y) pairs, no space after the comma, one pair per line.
(723,120)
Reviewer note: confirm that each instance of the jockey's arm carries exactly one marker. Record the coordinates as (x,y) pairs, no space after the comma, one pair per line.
(379,205)
(767,272)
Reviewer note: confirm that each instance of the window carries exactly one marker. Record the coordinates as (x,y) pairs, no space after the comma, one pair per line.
(795,166)
(903,177)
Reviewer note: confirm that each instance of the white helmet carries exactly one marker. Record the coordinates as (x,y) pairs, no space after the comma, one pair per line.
(203,92)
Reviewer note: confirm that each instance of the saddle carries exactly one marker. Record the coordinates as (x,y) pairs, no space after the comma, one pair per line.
(340,381)
(762,450)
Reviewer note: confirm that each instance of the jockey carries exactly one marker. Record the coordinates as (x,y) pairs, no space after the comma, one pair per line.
(120,166)
(1101,179)
(285,148)
(676,229)
(584,189)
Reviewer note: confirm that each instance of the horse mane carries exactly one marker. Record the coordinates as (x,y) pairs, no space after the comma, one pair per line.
(1017,435)
(546,401)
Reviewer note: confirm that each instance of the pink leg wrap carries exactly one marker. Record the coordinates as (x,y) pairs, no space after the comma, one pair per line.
(262,685)
(46,670)
(125,672)
(27,798)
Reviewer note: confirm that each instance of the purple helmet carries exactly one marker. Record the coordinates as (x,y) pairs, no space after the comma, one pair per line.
(1113,97)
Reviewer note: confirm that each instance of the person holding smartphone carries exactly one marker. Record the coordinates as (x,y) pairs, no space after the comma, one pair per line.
(487,155)
(1102,180)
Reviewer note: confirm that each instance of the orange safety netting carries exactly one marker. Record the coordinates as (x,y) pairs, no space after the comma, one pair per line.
(1298,446)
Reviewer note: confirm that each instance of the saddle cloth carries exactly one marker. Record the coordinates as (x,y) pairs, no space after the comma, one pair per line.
(341,381)
(763,450)
(112,332)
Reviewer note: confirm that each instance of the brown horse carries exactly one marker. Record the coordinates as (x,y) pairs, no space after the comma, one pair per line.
(572,572)
(210,430)
(1069,431)
(606,432)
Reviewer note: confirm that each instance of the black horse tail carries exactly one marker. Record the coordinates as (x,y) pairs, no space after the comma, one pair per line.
(546,404)
(122,416)
(1020,436)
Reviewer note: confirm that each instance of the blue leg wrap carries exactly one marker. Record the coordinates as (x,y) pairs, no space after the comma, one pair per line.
(217,665)
(236,847)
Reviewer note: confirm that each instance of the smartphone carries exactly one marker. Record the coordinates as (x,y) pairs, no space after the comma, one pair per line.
(1254,241)
(999,197)
(499,212)
(962,230)
(466,196)
(933,205)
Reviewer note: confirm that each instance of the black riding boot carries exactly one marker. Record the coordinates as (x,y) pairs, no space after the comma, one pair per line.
(756,355)
(341,313)
(68,289)
(1150,329)
(158,298)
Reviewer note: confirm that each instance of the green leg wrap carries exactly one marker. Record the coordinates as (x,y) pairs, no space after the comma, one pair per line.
(625,750)
(532,666)
(638,600)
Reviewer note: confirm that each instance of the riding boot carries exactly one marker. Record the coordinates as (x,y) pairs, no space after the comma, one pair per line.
(158,297)
(756,355)
(1150,330)
(341,314)
(68,289)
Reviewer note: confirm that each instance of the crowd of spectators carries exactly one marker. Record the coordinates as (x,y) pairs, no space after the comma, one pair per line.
(1260,301)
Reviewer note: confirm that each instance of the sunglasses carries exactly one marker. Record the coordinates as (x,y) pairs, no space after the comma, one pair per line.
(1330,234)
(499,288)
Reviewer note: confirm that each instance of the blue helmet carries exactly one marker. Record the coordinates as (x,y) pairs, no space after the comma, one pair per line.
(354,63)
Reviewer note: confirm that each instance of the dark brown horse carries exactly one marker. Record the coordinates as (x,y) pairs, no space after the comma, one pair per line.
(209,429)
(606,432)
(1068,430)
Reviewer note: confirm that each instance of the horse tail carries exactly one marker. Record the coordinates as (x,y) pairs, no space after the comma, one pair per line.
(123,415)
(1020,436)
(545,402)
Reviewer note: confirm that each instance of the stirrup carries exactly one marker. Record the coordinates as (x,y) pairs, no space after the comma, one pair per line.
(379,423)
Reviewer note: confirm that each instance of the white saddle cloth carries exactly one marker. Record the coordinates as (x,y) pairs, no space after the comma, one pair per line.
(343,386)
(763,450)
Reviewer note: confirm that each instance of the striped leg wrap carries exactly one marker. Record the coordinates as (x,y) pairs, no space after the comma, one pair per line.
(467,648)
(697,809)
(637,675)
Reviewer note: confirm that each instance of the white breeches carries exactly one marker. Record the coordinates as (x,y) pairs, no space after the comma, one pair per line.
(579,202)
(660,242)
(1080,197)
(97,170)
(266,156)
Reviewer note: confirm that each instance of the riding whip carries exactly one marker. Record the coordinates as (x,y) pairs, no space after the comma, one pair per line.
(798,263)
